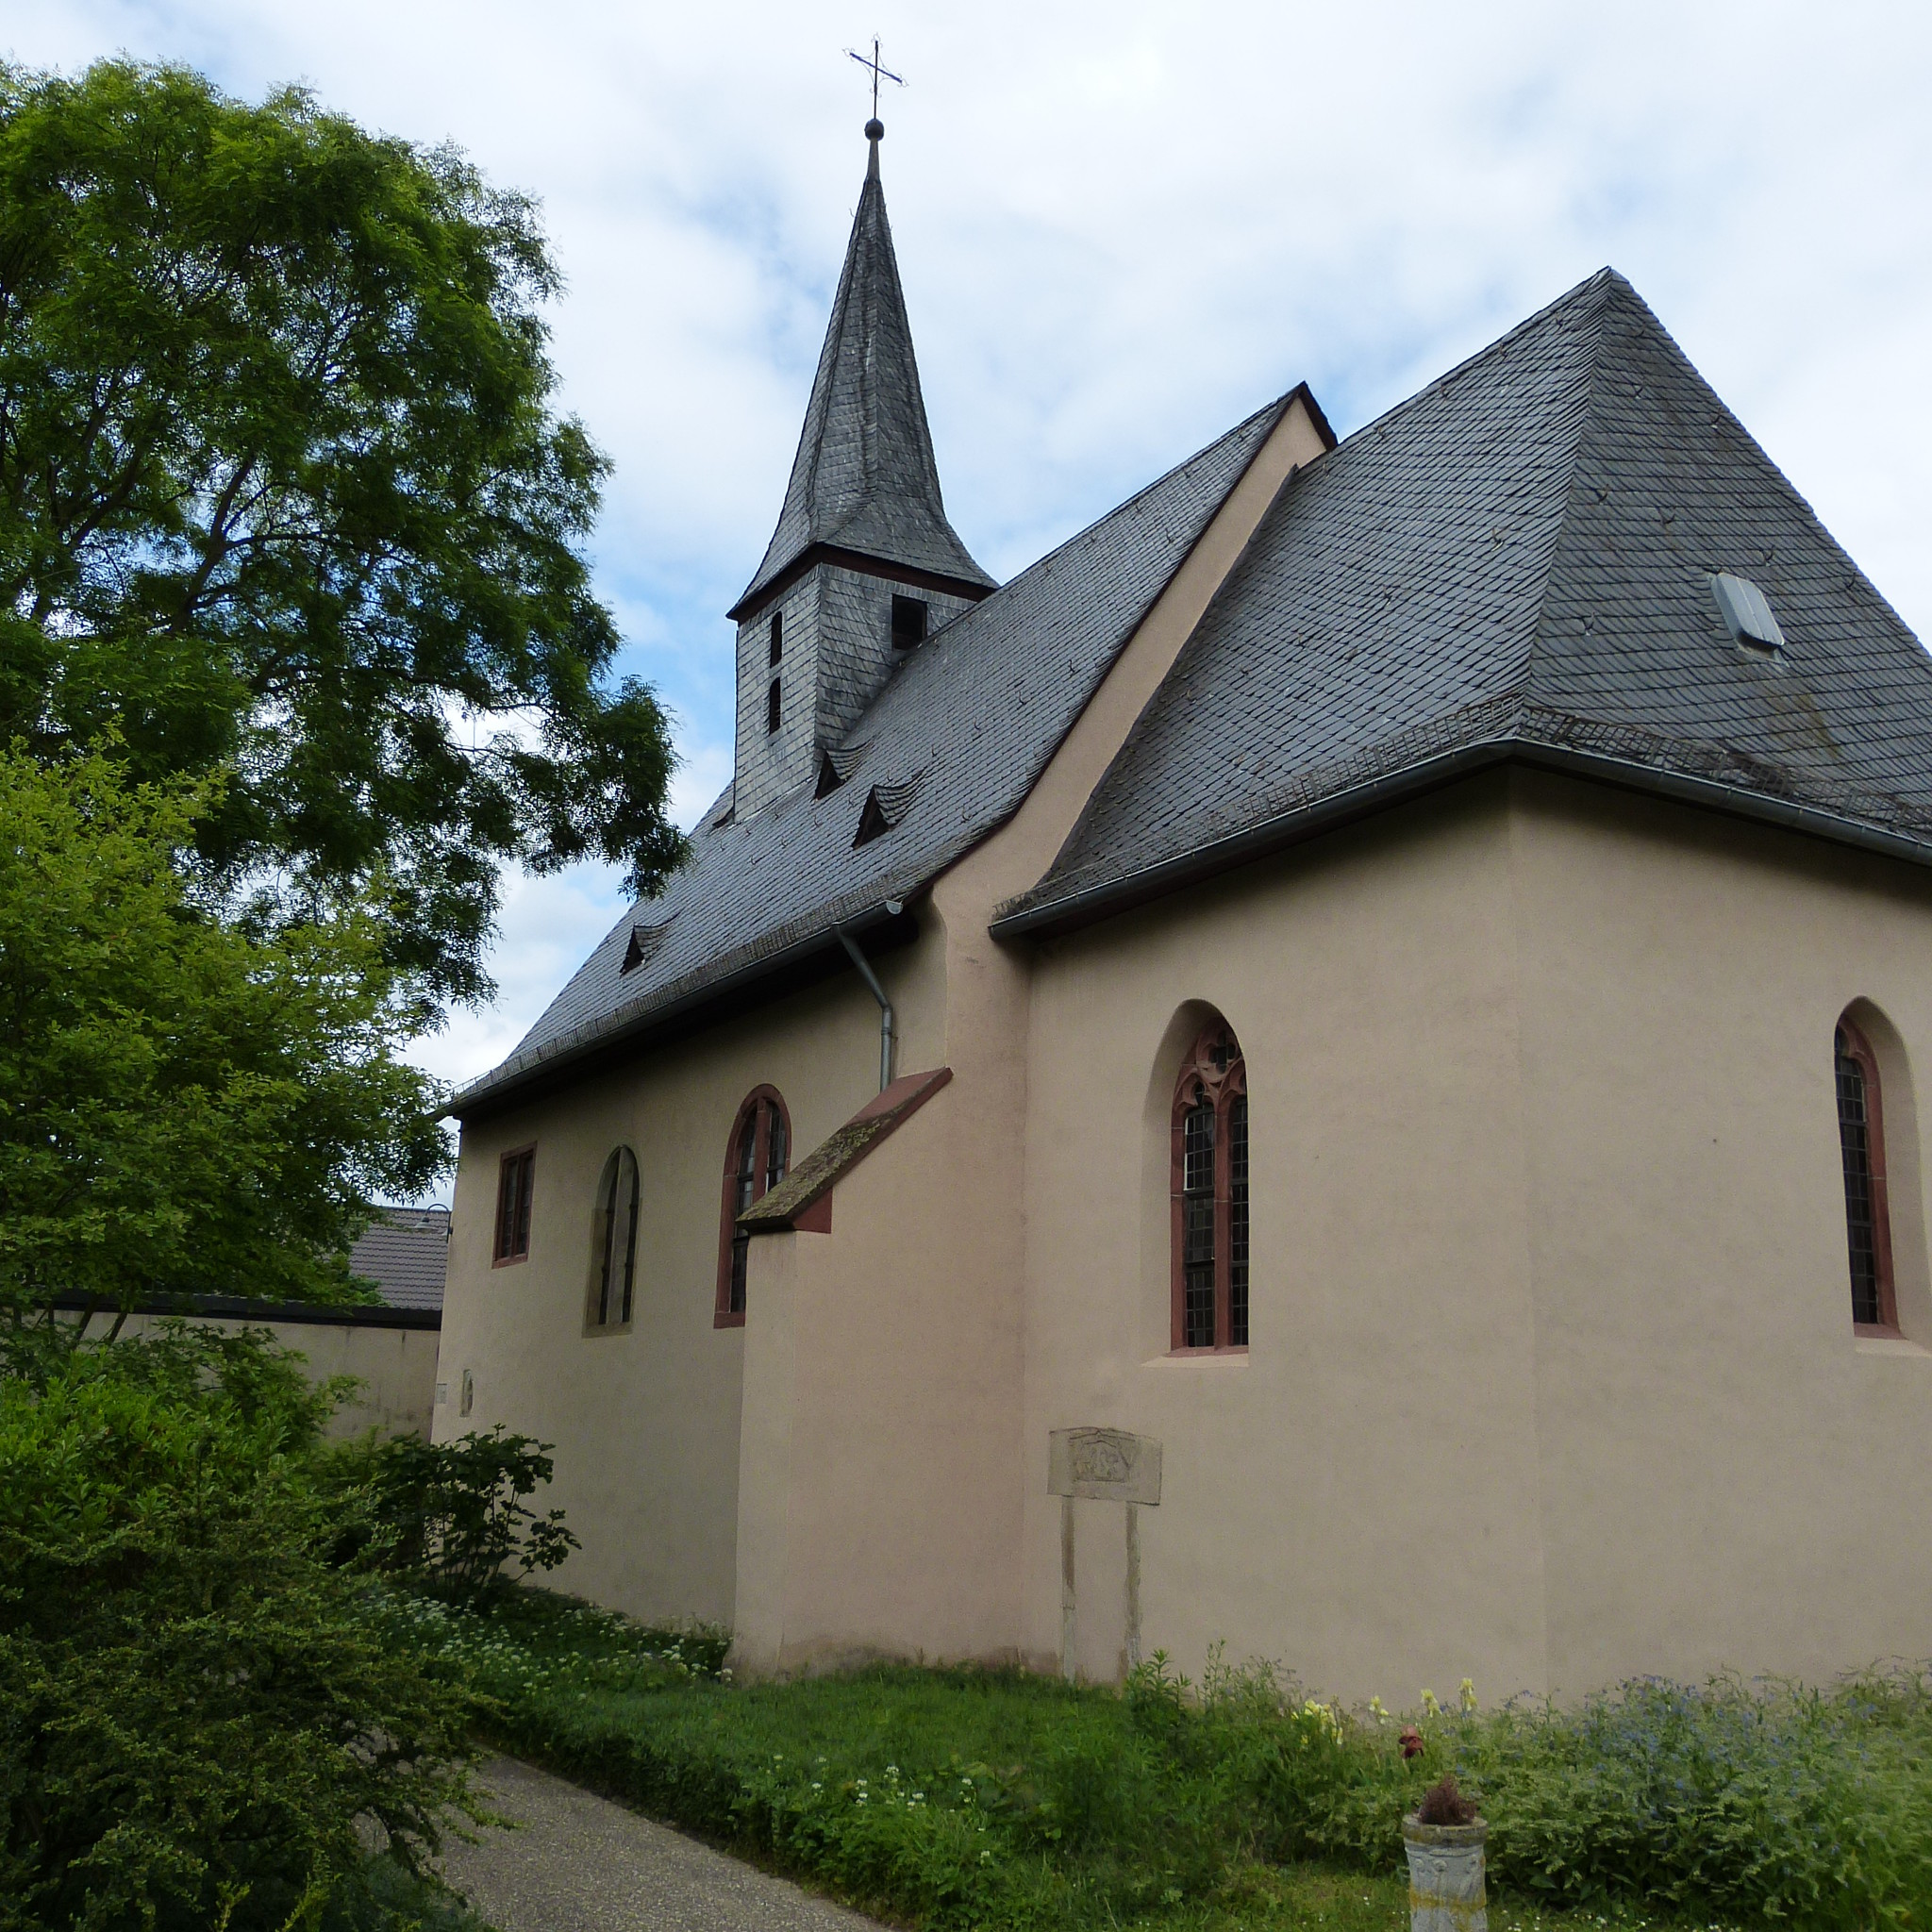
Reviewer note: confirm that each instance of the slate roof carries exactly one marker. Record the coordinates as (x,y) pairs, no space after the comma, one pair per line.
(404,1250)
(1518,560)
(973,716)
(864,478)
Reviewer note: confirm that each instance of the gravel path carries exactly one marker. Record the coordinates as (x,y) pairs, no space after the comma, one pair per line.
(583,1864)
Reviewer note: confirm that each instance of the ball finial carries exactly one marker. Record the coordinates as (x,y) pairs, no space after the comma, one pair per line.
(875,131)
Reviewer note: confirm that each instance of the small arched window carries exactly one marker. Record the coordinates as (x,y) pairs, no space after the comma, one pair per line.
(613,1244)
(1211,1195)
(756,1159)
(1861,1147)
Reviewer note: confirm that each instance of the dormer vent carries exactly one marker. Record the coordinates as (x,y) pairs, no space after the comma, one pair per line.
(645,942)
(885,807)
(838,764)
(1746,613)
(908,623)
(873,823)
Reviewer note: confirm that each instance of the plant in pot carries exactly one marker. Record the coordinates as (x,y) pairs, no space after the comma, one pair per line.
(1444,1841)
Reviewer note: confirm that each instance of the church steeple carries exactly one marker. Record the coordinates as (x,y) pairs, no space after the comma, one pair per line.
(864,479)
(863,562)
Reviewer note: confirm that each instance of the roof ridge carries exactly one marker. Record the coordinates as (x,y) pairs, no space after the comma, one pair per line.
(1127,504)
(1604,278)
(1601,285)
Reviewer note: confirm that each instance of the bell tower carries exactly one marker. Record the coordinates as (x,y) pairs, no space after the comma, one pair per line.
(863,565)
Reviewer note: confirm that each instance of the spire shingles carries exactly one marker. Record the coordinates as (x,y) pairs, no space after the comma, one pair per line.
(864,480)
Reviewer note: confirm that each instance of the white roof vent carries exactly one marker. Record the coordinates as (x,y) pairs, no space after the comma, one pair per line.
(1747,615)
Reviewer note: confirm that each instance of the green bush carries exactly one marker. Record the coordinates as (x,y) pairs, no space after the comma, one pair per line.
(195,1707)
(447,1517)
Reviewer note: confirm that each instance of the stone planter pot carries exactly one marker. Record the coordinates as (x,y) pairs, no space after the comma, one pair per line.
(1446,1890)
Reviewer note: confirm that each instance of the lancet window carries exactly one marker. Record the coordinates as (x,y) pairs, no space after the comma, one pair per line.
(756,1158)
(614,1244)
(1861,1150)
(1211,1195)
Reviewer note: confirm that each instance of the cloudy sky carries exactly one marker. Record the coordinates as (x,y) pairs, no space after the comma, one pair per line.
(1121,229)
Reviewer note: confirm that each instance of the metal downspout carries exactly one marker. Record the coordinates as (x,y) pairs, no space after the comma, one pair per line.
(878,993)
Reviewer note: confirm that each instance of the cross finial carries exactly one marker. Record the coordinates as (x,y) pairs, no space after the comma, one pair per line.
(874,129)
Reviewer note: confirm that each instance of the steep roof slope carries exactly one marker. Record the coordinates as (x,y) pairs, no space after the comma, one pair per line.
(1517,559)
(956,740)
(864,478)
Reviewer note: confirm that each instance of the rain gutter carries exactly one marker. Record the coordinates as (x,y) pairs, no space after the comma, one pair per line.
(1065,914)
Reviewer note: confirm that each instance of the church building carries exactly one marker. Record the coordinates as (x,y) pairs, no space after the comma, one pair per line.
(1329,1069)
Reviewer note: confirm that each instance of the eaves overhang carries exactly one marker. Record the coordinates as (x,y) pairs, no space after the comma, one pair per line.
(761,975)
(1086,905)
(773,587)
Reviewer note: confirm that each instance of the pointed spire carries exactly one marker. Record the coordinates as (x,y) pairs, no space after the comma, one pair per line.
(864,480)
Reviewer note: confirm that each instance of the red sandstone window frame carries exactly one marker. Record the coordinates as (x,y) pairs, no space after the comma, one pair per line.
(1858,1049)
(758,1107)
(516,1195)
(1202,1081)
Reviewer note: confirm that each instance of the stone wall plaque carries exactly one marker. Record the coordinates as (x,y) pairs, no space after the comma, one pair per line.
(1102,1466)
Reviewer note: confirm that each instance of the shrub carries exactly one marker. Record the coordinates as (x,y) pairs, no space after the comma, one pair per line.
(449,1516)
(1773,1800)
(195,1707)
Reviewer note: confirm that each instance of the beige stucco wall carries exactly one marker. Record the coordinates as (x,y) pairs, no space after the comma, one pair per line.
(1358,1495)
(880,1510)
(395,1367)
(1552,1378)
(645,1421)
(1730,1476)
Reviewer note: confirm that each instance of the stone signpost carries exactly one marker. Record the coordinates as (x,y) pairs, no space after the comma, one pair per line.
(1102,1466)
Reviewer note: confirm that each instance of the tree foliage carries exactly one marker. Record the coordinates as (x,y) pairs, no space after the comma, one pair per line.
(282,493)
(196,1706)
(183,1107)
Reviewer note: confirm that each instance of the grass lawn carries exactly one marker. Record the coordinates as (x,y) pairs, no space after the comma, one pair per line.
(964,1798)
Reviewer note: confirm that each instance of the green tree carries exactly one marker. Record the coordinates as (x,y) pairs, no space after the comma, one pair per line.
(282,494)
(197,1708)
(184,1107)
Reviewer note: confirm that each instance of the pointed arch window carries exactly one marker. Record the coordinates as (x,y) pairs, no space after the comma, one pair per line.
(756,1158)
(1210,1190)
(613,1246)
(1861,1150)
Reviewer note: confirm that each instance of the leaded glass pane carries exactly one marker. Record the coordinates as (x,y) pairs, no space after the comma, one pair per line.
(1854,1145)
(1238,1222)
(1197,1227)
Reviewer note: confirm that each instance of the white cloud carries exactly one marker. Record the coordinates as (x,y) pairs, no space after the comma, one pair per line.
(1121,227)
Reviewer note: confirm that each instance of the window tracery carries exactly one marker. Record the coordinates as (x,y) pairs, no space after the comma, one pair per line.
(1211,1195)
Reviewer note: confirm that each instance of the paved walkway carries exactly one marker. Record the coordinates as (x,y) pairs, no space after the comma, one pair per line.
(583,1864)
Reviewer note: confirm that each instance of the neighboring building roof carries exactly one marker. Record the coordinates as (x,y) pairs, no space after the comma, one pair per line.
(1519,561)
(864,480)
(406,1252)
(973,715)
